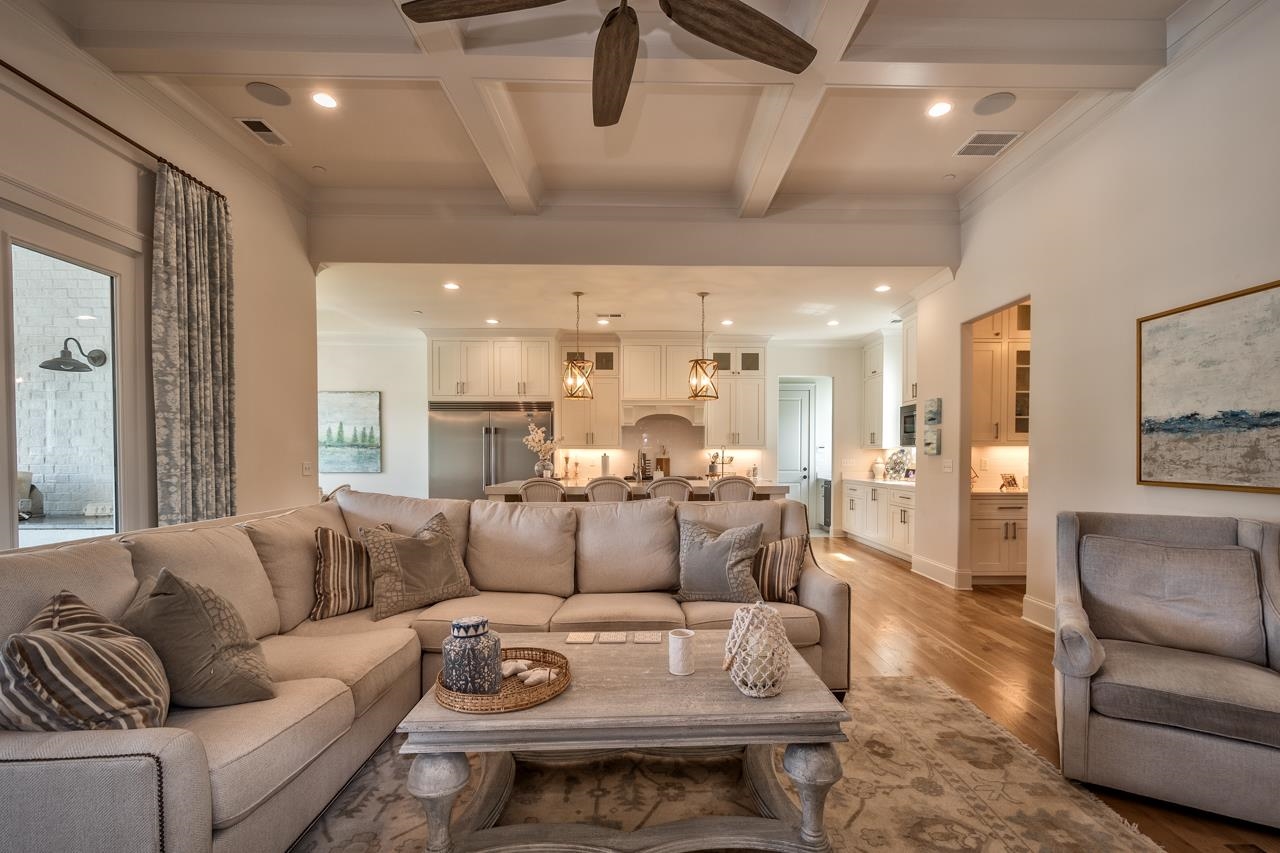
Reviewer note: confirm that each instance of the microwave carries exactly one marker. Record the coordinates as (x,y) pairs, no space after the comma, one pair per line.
(907,425)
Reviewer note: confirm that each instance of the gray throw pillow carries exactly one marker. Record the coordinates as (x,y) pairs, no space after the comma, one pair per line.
(415,571)
(718,567)
(209,655)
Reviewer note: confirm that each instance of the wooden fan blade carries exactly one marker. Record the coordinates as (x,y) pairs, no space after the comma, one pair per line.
(431,11)
(735,26)
(616,49)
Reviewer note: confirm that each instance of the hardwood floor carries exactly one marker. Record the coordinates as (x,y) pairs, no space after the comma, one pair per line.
(977,642)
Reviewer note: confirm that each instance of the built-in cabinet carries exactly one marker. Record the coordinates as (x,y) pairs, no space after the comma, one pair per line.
(493,369)
(739,361)
(592,423)
(1000,377)
(873,412)
(881,389)
(910,361)
(522,369)
(737,419)
(461,368)
(998,535)
(880,514)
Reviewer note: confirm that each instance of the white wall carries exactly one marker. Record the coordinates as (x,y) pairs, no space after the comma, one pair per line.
(103,186)
(397,368)
(1171,199)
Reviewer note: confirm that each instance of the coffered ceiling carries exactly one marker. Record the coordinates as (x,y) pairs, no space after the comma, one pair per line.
(500,106)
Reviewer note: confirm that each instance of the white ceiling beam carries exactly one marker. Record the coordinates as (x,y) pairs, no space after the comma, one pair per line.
(785,113)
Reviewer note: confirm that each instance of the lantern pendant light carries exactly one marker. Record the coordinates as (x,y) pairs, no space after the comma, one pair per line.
(702,371)
(577,371)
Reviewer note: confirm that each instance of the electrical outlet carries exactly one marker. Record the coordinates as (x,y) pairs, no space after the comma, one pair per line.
(982,465)
(308,468)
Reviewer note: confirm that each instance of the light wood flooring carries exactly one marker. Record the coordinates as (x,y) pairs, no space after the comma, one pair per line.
(977,643)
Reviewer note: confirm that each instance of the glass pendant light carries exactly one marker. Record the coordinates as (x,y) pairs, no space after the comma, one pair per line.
(702,371)
(577,371)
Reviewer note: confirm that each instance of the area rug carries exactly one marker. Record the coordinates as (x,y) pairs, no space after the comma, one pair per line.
(924,770)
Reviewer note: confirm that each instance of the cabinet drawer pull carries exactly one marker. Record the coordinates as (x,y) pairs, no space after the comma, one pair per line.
(997,431)
(1014,525)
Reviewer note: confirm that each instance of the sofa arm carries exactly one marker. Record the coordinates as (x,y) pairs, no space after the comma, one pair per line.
(1076,651)
(828,597)
(137,790)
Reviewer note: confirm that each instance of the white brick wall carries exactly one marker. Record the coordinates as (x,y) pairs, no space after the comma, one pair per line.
(66,421)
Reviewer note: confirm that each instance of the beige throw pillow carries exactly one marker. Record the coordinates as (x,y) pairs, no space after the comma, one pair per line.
(415,571)
(207,651)
(718,567)
(72,669)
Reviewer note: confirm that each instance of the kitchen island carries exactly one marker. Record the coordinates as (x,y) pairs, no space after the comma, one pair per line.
(576,490)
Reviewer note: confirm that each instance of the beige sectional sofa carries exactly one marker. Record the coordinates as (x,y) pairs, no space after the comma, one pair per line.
(252,777)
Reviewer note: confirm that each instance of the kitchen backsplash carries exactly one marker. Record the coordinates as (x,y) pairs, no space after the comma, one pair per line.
(1000,460)
(683,440)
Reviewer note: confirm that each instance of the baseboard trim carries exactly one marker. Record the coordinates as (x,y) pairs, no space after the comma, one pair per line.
(879,546)
(1042,614)
(939,573)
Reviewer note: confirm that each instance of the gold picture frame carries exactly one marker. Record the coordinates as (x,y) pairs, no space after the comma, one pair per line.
(1208,394)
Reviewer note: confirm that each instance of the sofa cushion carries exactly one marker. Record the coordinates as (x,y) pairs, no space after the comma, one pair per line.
(519,547)
(619,611)
(628,547)
(208,655)
(220,558)
(405,515)
(254,750)
(718,567)
(367,663)
(356,622)
(719,516)
(1204,693)
(801,622)
(99,573)
(1205,599)
(412,572)
(506,611)
(286,545)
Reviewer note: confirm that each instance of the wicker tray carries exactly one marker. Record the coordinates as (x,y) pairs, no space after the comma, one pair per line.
(513,695)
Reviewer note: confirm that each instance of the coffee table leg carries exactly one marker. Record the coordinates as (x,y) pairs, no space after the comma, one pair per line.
(813,768)
(437,780)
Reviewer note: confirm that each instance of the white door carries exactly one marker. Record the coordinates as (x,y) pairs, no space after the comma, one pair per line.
(507,371)
(75,433)
(535,369)
(446,368)
(795,441)
(748,412)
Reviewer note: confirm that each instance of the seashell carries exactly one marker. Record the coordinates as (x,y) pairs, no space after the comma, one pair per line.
(534,677)
(514,667)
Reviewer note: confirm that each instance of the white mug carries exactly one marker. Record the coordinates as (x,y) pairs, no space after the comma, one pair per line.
(680,651)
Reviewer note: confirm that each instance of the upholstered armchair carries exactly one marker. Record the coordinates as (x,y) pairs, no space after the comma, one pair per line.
(1167,657)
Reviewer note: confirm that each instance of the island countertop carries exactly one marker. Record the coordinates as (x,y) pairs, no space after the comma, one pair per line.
(577,490)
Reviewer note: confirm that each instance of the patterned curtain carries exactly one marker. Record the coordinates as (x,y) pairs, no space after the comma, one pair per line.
(192,351)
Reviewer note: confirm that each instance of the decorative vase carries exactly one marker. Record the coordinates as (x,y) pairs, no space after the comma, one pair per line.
(472,657)
(878,469)
(544,468)
(757,654)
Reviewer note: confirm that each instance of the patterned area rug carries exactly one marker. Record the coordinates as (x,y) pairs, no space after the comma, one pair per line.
(924,769)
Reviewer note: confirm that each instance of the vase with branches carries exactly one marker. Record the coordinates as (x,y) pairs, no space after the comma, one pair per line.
(544,447)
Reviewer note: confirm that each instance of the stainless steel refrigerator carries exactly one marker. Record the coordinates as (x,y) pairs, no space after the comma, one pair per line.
(473,445)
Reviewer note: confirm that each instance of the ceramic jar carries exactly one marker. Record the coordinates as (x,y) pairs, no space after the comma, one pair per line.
(472,657)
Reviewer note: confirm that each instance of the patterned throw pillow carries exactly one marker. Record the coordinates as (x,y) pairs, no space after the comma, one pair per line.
(72,669)
(343,582)
(203,642)
(415,571)
(778,566)
(718,567)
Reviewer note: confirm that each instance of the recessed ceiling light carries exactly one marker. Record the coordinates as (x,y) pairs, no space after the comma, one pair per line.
(726,322)
(449,285)
(324,99)
(269,94)
(939,109)
(883,288)
(950,176)
(85,317)
(602,322)
(833,322)
(492,322)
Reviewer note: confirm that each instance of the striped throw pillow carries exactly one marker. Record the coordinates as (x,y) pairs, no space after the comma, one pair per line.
(343,580)
(72,669)
(777,569)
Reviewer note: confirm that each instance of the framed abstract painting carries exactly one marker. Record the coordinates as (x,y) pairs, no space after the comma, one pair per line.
(350,432)
(1209,394)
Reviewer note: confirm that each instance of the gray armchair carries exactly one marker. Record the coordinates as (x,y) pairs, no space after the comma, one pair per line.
(1167,654)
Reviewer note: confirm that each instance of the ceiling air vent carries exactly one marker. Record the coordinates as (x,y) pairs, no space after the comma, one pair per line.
(608,316)
(263,132)
(988,143)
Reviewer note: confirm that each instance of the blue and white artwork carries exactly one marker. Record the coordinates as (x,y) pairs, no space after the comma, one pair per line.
(1209,411)
(350,432)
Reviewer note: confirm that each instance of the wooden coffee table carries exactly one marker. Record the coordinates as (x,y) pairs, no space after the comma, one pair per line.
(623,698)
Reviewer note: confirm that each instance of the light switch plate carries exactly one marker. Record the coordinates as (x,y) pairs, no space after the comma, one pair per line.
(308,468)
(948,466)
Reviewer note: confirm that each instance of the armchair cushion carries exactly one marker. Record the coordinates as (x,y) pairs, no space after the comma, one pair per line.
(1203,693)
(1205,599)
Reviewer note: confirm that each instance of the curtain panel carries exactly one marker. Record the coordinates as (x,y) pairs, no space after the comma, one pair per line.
(192,351)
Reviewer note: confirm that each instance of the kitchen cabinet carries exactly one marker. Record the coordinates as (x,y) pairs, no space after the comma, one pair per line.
(902,519)
(460,368)
(737,419)
(998,535)
(739,361)
(1000,392)
(880,515)
(873,360)
(642,372)
(910,363)
(881,390)
(1017,392)
(854,517)
(592,423)
(605,358)
(990,327)
(1017,322)
(675,359)
(522,369)
(873,436)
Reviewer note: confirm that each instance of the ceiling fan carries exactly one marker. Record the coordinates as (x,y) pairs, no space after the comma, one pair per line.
(730,24)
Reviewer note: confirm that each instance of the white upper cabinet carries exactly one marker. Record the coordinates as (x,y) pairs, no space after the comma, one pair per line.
(592,423)
(737,419)
(738,361)
(873,437)
(1000,384)
(535,369)
(642,371)
(508,371)
(986,400)
(603,358)
(910,364)
(460,368)
(990,328)
(491,369)
(873,361)
(676,358)
(881,390)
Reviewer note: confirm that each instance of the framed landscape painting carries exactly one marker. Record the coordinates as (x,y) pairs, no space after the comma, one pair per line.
(1209,394)
(350,432)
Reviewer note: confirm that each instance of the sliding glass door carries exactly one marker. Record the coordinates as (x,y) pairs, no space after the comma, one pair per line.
(74,440)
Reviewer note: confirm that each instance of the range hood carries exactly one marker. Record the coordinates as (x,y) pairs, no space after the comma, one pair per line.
(692,411)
